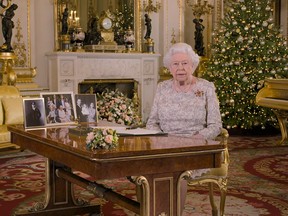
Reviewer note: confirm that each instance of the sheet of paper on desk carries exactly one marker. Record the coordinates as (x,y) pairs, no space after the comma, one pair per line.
(139,132)
(126,131)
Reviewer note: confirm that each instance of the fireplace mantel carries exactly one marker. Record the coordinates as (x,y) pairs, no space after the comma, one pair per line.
(67,69)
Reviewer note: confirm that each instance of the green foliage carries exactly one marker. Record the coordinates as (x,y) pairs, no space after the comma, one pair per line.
(246,50)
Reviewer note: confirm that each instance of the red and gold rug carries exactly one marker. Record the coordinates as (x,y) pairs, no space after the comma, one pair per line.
(271,167)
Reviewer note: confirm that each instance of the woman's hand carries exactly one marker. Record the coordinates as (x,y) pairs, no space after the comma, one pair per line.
(198,136)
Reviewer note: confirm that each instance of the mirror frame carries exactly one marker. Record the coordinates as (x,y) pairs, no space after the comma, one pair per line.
(137,26)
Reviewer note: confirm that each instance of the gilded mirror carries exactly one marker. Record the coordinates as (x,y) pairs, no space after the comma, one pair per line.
(126,14)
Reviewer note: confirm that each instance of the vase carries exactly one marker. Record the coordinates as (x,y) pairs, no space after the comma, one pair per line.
(77,38)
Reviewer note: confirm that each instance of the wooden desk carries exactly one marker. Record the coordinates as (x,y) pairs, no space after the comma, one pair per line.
(156,164)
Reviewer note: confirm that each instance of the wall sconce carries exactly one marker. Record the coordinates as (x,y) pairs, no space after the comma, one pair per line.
(73,19)
(150,7)
(198,8)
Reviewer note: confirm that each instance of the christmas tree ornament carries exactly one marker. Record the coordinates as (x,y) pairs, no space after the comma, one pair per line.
(265,23)
(271,20)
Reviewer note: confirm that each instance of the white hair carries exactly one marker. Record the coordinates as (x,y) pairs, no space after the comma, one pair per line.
(181,48)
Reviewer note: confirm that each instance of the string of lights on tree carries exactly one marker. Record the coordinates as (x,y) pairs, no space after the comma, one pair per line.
(123,20)
(246,49)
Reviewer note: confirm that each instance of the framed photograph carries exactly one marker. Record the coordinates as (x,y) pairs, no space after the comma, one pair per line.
(34,112)
(86,108)
(59,108)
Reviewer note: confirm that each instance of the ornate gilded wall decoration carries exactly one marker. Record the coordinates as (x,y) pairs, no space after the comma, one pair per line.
(20,47)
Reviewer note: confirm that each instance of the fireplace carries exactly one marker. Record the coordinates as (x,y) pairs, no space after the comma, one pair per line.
(92,86)
(68,69)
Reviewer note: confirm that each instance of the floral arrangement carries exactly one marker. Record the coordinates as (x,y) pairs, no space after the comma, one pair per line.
(102,138)
(114,106)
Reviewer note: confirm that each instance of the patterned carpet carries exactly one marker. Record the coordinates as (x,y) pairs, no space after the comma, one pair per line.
(258,179)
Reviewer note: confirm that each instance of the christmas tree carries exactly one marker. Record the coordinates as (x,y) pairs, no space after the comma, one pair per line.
(246,49)
(124,19)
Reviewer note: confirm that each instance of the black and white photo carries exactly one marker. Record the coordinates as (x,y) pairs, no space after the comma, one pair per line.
(86,108)
(34,112)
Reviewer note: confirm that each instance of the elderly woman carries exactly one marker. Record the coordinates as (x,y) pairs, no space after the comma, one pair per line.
(185,105)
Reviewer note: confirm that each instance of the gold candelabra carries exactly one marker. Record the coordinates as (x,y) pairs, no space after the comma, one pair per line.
(73,19)
(150,7)
(198,8)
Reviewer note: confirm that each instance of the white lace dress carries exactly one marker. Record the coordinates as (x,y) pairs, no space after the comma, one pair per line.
(186,113)
(196,111)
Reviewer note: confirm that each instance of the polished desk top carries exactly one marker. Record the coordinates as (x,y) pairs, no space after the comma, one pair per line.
(58,144)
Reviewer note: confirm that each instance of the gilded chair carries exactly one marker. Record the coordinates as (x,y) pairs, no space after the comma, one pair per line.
(216,176)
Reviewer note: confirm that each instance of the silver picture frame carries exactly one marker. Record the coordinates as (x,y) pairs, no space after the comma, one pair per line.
(34,113)
(59,108)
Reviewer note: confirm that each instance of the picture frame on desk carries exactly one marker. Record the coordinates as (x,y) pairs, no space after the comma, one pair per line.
(34,113)
(59,108)
(86,108)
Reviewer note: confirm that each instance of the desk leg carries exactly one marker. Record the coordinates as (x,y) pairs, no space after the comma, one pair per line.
(59,197)
(159,194)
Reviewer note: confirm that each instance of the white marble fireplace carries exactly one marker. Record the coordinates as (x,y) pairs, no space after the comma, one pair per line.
(67,69)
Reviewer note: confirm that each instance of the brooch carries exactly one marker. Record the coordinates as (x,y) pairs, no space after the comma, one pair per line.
(199,93)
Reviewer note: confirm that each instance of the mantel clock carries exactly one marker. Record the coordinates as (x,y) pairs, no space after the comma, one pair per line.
(106,24)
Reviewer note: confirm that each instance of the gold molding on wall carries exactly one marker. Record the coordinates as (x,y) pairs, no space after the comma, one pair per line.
(21,41)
